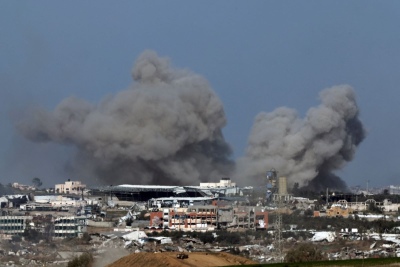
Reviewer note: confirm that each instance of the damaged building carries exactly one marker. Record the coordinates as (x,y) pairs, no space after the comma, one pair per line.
(73,226)
(210,217)
(14,225)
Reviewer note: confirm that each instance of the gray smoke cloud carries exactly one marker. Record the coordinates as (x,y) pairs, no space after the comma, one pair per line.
(164,129)
(309,150)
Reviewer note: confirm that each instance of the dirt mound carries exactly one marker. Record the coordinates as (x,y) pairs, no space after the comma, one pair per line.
(169,259)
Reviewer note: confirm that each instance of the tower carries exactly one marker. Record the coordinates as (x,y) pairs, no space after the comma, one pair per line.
(280,190)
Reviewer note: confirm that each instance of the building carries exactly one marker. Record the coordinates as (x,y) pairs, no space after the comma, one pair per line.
(224,182)
(223,188)
(394,190)
(210,217)
(14,225)
(178,202)
(23,187)
(13,201)
(339,209)
(70,226)
(70,187)
(194,218)
(385,206)
(128,192)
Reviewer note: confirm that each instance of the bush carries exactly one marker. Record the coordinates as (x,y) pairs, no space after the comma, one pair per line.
(228,238)
(206,237)
(32,235)
(86,238)
(304,253)
(16,238)
(84,260)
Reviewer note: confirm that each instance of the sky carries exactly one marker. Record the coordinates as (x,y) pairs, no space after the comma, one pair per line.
(256,55)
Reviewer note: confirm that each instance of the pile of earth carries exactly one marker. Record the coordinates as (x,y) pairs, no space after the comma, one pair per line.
(169,259)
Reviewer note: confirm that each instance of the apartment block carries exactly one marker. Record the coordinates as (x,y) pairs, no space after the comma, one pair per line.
(70,187)
(70,226)
(14,225)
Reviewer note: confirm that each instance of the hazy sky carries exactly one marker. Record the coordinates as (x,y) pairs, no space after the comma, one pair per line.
(257,56)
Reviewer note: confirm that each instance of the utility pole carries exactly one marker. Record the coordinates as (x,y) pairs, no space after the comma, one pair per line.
(327,197)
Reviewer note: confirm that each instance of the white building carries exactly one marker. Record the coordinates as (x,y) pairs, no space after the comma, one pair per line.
(224,182)
(224,186)
(70,187)
(70,226)
(13,224)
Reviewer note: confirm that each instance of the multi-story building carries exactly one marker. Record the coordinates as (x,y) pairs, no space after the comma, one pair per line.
(70,187)
(14,225)
(338,210)
(70,226)
(209,217)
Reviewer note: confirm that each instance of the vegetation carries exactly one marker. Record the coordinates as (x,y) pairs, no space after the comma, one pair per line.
(229,238)
(303,253)
(206,237)
(86,238)
(85,260)
(32,235)
(372,208)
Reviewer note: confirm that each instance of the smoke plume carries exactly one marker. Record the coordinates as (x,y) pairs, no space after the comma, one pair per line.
(309,150)
(164,129)
(167,129)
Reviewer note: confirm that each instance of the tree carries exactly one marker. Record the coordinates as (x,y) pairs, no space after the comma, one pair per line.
(386,192)
(304,253)
(308,213)
(37,182)
(296,189)
(228,238)
(373,208)
(207,237)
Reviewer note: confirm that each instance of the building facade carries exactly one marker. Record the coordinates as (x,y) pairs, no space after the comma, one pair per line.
(224,182)
(70,187)
(70,226)
(13,225)
(209,217)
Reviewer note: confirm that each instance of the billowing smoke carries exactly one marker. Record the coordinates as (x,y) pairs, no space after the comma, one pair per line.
(164,129)
(309,150)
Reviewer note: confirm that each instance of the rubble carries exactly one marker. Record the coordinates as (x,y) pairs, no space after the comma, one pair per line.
(324,236)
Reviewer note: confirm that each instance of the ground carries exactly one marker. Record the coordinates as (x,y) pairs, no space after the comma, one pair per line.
(169,259)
